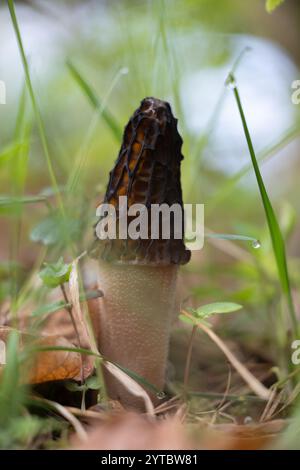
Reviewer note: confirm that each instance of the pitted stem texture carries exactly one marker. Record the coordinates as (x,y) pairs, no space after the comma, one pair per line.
(135,320)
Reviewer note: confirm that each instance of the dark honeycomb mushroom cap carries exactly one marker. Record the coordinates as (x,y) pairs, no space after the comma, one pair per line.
(147,171)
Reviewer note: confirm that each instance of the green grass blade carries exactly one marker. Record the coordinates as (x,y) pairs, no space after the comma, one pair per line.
(234,237)
(58,305)
(9,151)
(100,108)
(96,102)
(230,184)
(271,5)
(275,232)
(17,169)
(15,200)
(36,110)
(11,394)
(138,378)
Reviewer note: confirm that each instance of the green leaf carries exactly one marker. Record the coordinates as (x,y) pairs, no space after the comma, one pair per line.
(185,319)
(46,232)
(93,383)
(74,386)
(271,5)
(49,308)
(55,229)
(206,311)
(55,274)
(194,322)
(96,102)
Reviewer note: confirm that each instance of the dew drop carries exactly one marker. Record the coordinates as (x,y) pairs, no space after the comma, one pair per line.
(160,395)
(124,70)
(230,82)
(256,244)
(248,420)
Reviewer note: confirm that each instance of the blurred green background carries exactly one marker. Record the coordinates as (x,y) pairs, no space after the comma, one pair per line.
(91,63)
(180,51)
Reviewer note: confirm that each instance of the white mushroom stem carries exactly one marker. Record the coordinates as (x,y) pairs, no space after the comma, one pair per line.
(135,317)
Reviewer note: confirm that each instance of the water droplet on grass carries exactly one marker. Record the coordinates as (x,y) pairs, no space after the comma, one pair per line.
(248,420)
(256,244)
(230,82)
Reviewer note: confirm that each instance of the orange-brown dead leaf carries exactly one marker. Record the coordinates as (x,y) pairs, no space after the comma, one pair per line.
(46,366)
(242,437)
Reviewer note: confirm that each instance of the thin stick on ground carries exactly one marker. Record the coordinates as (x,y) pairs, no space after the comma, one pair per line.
(224,399)
(63,411)
(257,387)
(69,310)
(188,362)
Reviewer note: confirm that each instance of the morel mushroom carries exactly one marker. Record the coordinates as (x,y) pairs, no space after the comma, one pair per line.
(138,277)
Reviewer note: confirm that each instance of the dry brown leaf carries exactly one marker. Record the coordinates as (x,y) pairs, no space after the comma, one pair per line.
(58,330)
(48,366)
(130,431)
(242,437)
(54,365)
(131,385)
